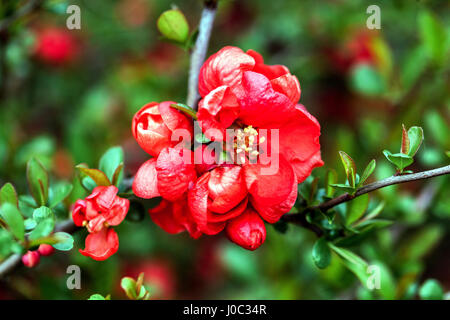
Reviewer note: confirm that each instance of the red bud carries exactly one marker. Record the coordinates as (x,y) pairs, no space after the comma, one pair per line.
(247,230)
(46,250)
(31,259)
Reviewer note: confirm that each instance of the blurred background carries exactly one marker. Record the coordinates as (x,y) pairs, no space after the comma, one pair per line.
(66,96)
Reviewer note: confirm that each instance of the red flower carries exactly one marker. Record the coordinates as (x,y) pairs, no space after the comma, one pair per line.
(154,124)
(56,46)
(99,211)
(240,92)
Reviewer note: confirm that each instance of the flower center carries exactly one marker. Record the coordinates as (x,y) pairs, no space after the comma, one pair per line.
(246,143)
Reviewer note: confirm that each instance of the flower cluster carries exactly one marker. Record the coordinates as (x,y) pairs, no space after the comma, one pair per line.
(242,93)
(99,212)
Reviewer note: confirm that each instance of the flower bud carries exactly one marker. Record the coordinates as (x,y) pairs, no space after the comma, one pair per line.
(46,250)
(31,259)
(247,230)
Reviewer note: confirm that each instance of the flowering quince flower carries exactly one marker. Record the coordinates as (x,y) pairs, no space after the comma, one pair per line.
(98,212)
(153,126)
(239,92)
(56,46)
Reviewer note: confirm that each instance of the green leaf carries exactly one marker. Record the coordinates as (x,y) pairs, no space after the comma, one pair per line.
(97,296)
(201,138)
(129,286)
(59,192)
(415,135)
(350,168)
(356,208)
(45,223)
(30,224)
(400,160)
(37,181)
(374,223)
(431,290)
(8,194)
(118,175)
(14,220)
(173,25)
(433,35)
(321,253)
(353,262)
(405,141)
(65,241)
(98,176)
(331,178)
(343,187)
(110,161)
(366,80)
(367,172)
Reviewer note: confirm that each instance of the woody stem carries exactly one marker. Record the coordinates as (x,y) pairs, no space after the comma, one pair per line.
(299,218)
(199,51)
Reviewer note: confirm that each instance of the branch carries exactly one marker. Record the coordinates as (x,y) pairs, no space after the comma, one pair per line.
(27,8)
(14,260)
(299,218)
(199,52)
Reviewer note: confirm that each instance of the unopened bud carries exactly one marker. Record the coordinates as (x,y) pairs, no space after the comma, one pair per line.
(46,250)
(31,259)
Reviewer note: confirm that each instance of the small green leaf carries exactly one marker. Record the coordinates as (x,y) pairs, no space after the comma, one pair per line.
(405,141)
(65,241)
(45,223)
(118,175)
(98,176)
(400,160)
(110,161)
(350,168)
(447,153)
(321,253)
(431,290)
(14,220)
(356,208)
(374,223)
(129,286)
(30,224)
(173,25)
(366,80)
(201,138)
(353,262)
(37,178)
(331,178)
(367,172)
(97,296)
(58,193)
(344,187)
(415,135)
(8,194)
(433,35)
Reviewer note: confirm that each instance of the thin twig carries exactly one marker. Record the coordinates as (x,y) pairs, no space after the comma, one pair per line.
(27,8)
(299,218)
(14,260)
(199,52)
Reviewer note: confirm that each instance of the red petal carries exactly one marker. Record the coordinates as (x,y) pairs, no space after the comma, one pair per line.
(162,215)
(224,68)
(272,195)
(176,171)
(118,211)
(146,181)
(204,159)
(288,85)
(198,206)
(262,106)
(101,245)
(217,110)
(226,188)
(106,197)
(247,230)
(304,153)
(271,72)
(149,129)
(78,212)
(236,211)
